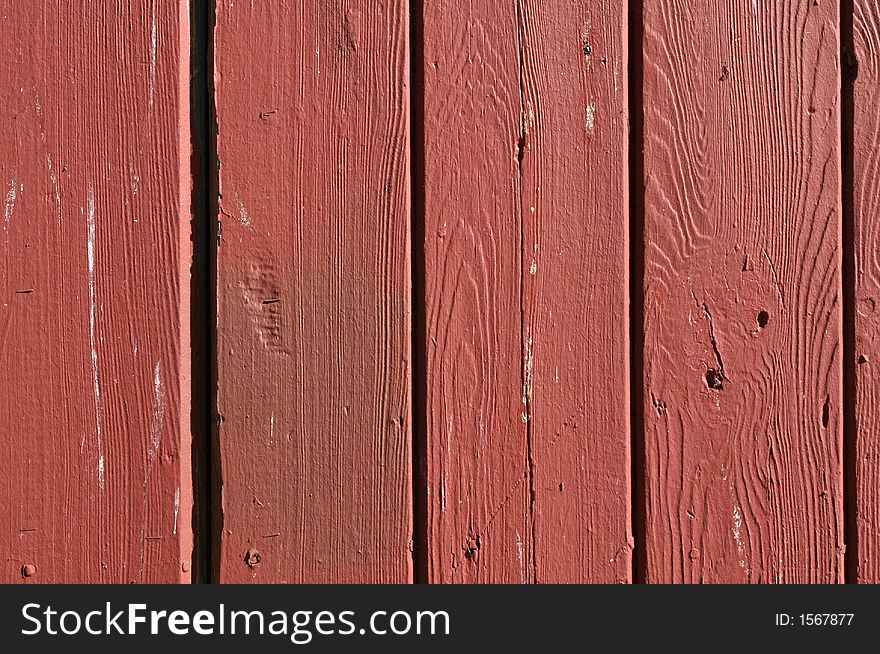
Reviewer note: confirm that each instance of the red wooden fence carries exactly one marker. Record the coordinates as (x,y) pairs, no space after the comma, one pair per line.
(94,164)
(525,264)
(518,292)
(313,331)
(742,289)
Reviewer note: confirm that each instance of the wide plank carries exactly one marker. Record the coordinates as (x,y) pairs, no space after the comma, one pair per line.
(526,292)
(313,291)
(742,354)
(94,317)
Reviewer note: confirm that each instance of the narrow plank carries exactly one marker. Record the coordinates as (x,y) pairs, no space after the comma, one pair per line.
(742,347)
(526,257)
(313,284)
(866,216)
(94,317)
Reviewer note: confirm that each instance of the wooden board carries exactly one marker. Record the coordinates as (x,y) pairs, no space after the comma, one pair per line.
(525,267)
(865,198)
(94,315)
(742,355)
(313,287)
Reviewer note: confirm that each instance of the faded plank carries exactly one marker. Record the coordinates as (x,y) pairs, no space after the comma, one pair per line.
(866,215)
(313,284)
(526,257)
(742,387)
(94,318)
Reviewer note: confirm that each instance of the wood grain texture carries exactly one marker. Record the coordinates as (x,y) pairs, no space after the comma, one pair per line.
(742,291)
(526,257)
(866,215)
(313,291)
(94,316)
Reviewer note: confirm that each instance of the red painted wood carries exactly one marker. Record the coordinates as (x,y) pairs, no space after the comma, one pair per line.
(742,292)
(866,215)
(526,259)
(313,290)
(94,315)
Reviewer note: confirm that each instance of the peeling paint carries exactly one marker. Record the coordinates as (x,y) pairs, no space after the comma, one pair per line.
(10,204)
(272,429)
(519,557)
(99,409)
(737,535)
(591,118)
(243,215)
(158,413)
(176,510)
(528,362)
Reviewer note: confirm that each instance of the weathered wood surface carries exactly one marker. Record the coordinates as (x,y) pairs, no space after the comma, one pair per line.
(94,316)
(526,257)
(313,284)
(742,355)
(522,275)
(865,198)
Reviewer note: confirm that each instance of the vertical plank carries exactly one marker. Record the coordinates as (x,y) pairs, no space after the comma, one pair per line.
(94,317)
(313,288)
(865,136)
(742,291)
(526,257)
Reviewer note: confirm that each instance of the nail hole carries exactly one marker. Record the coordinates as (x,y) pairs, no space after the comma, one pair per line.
(862,359)
(763,319)
(471,548)
(253,558)
(714,379)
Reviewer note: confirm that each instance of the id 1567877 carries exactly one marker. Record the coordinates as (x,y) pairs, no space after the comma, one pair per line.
(814,619)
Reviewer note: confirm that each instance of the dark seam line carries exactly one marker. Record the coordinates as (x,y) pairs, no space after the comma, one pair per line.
(848,73)
(203,324)
(419,311)
(635,77)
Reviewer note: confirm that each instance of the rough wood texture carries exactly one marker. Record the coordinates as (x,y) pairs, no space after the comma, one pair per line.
(742,291)
(526,258)
(313,290)
(94,317)
(866,214)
